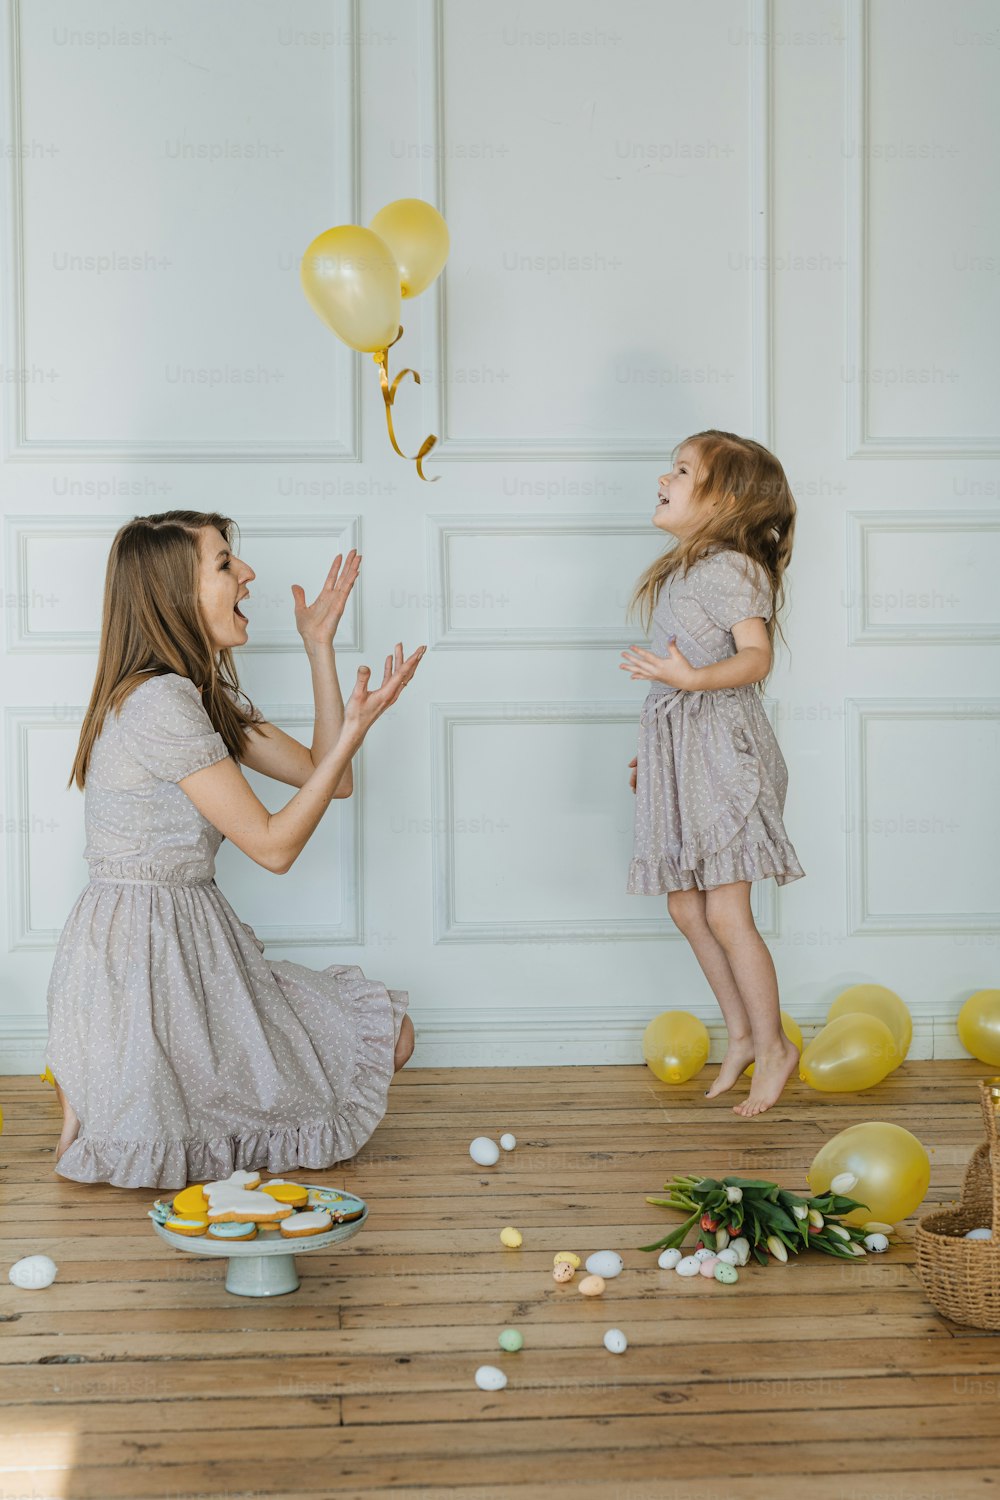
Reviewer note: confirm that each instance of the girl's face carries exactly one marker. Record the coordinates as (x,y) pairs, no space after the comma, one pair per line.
(676,511)
(222,582)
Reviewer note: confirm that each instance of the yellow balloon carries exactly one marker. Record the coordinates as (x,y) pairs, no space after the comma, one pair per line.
(876,1000)
(418,237)
(675,1045)
(352,283)
(979,1026)
(792,1030)
(892,1168)
(853,1052)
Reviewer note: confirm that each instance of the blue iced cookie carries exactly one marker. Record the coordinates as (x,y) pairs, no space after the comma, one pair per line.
(229,1230)
(162,1210)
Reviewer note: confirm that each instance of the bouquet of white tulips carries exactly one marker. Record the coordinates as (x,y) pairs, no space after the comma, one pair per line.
(760,1219)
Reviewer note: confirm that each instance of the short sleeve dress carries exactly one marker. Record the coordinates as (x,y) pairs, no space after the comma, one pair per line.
(711,779)
(185,1053)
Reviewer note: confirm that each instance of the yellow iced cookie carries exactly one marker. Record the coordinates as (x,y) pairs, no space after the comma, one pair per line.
(287,1192)
(191,1202)
(187,1226)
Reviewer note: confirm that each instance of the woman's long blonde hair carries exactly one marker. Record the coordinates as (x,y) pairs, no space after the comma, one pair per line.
(760,524)
(152,624)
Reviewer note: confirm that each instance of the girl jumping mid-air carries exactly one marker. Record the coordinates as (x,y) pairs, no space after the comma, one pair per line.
(709,777)
(180,1052)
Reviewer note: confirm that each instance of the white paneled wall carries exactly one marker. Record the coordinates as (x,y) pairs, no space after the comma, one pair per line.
(772,216)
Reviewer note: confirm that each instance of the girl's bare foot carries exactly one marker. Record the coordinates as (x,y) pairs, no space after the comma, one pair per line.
(71,1126)
(739,1055)
(771,1072)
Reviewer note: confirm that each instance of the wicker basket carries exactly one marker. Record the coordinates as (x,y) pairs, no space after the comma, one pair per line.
(962,1277)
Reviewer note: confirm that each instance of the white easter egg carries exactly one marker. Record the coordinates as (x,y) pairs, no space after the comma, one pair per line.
(508,1141)
(489,1378)
(689,1266)
(615,1341)
(33,1272)
(484,1152)
(875,1242)
(669,1259)
(728,1257)
(704,1255)
(979,1234)
(606,1263)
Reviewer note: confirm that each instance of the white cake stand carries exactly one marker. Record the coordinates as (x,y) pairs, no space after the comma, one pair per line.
(265,1266)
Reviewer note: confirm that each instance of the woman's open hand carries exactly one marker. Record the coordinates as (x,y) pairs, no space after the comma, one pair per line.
(317,622)
(363,707)
(633,767)
(674,669)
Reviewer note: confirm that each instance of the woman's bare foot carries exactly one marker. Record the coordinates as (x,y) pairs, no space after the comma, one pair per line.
(70,1128)
(739,1055)
(771,1072)
(404,1047)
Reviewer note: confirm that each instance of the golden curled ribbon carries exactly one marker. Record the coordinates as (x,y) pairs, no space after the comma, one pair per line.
(381,358)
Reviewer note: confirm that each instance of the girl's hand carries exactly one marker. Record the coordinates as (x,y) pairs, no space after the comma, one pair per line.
(633,766)
(317,622)
(363,708)
(674,669)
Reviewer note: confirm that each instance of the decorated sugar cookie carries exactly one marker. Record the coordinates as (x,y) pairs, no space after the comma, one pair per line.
(347,1209)
(162,1210)
(287,1192)
(232,1231)
(322,1196)
(190,1227)
(244,1205)
(191,1200)
(235,1179)
(300,1225)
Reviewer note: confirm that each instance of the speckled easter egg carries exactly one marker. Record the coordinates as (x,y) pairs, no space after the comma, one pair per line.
(511,1341)
(615,1341)
(489,1378)
(708,1265)
(725,1273)
(562,1272)
(669,1260)
(689,1266)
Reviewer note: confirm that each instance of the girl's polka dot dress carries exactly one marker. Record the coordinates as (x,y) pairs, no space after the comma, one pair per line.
(185,1053)
(711,782)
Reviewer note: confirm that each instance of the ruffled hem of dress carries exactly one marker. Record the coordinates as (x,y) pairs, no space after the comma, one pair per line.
(276,1149)
(741,861)
(707,843)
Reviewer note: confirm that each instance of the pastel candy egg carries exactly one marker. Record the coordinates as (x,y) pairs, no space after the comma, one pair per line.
(728,1257)
(568,1257)
(33,1272)
(689,1266)
(708,1266)
(489,1378)
(484,1152)
(975,1234)
(615,1341)
(508,1141)
(669,1259)
(562,1271)
(704,1254)
(606,1263)
(511,1341)
(511,1237)
(725,1273)
(592,1286)
(876,1242)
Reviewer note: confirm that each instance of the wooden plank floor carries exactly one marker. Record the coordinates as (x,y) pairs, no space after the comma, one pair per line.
(137,1375)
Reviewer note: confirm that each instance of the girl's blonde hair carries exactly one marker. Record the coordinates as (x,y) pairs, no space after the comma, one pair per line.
(152,624)
(760,523)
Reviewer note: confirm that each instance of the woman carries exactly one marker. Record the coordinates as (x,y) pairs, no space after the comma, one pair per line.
(180,1052)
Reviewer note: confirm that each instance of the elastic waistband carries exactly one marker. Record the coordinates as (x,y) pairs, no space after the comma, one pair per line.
(139,880)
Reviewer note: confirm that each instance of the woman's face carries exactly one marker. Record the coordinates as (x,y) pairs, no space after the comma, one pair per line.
(222,581)
(676,510)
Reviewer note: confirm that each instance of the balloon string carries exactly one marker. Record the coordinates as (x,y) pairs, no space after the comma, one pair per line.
(381,358)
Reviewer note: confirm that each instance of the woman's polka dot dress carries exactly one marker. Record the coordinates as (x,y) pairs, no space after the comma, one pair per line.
(711,779)
(185,1053)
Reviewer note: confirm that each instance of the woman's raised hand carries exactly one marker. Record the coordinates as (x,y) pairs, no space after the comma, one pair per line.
(363,707)
(633,767)
(317,622)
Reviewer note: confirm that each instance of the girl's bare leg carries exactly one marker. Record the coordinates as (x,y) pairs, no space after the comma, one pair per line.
(71,1125)
(728,914)
(687,909)
(404,1047)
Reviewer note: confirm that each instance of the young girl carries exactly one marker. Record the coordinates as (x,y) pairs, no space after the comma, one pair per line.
(709,777)
(180,1052)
